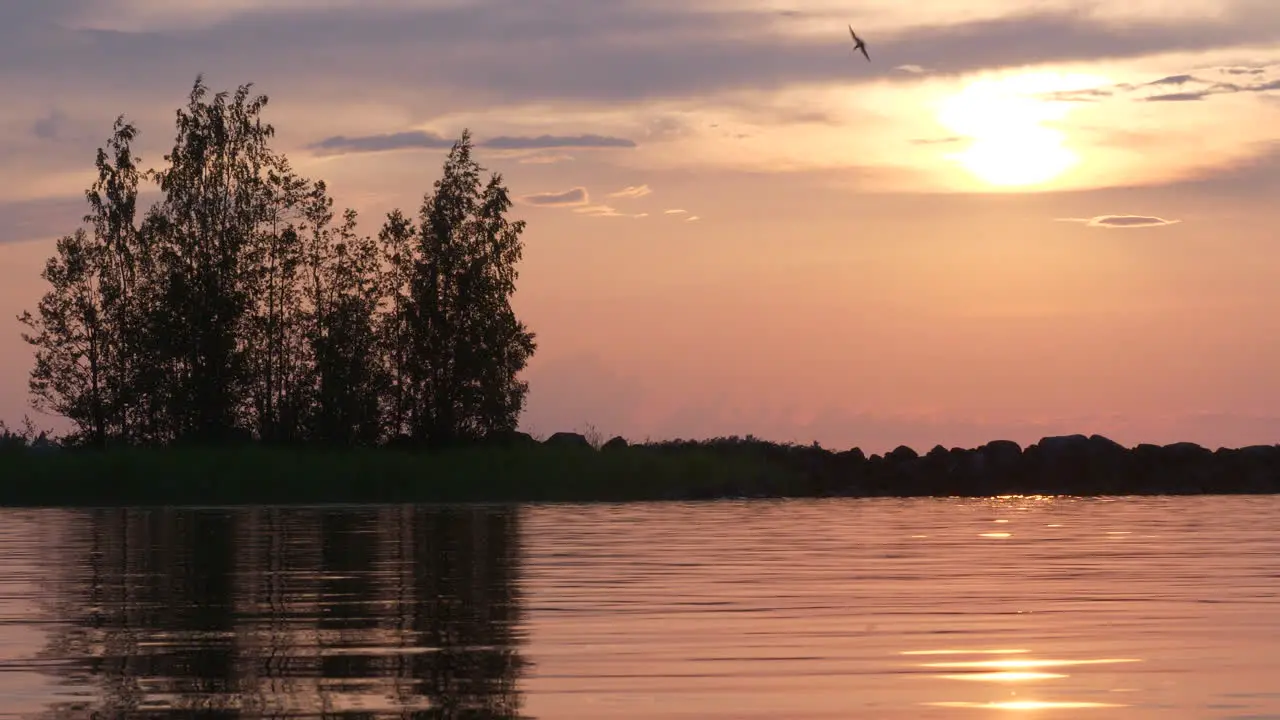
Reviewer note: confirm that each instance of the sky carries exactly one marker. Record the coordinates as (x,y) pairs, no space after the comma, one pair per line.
(1019,219)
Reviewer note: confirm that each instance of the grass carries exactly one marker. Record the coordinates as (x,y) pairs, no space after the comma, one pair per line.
(261,475)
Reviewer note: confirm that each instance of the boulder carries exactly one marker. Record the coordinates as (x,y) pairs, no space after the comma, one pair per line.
(1001,454)
(902,453)
(567,439)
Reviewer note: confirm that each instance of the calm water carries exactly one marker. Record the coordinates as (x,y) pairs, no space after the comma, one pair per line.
(1133,608)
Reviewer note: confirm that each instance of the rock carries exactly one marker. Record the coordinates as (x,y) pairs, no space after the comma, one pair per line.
(852,455)
(1055,447)
(1100,444)
(1002,454)
(510,438)
(567,439)
(616,443)
(902,453)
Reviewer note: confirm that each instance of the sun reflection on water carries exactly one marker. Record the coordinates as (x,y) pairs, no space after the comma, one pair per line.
(1026,705)
(1009,670)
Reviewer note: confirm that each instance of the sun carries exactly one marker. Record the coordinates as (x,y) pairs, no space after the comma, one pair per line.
(1003,121)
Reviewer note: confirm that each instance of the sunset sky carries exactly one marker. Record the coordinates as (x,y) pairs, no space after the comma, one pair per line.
(1019,219)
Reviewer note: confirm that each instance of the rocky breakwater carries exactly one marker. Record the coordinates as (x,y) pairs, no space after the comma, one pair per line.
(1065,465)
(1062,465)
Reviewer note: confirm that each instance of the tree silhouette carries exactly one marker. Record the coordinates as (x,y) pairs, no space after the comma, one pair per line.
(238,308)
(466,344)
(85,360)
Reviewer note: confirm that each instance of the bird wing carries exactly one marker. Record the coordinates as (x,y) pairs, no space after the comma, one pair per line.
(853,34)
(863,48)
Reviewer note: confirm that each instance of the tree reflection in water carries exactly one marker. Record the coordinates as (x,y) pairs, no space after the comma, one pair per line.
(396,612)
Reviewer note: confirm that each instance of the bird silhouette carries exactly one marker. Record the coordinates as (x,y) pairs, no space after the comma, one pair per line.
(858,44)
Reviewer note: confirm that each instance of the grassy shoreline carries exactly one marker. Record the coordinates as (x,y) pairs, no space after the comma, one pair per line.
(682,470)
(254,475)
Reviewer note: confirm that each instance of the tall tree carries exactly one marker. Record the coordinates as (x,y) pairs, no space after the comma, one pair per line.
(343,292)
(69,376)
(396,241)
(218,205)
(123,261)
(85,349)
(278,364)
(468,346)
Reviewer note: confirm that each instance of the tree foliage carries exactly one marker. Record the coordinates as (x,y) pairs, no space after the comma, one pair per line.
(242,305)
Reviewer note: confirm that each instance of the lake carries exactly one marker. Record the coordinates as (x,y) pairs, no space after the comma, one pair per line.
(922,608)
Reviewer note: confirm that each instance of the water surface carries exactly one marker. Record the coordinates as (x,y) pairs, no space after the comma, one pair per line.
(1044,607)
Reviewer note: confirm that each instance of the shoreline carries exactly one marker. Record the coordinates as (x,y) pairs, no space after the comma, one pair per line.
(567,468)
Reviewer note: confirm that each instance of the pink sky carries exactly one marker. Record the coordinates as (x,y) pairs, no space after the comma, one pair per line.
(893,252)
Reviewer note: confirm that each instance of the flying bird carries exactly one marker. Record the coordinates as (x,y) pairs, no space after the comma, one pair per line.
(858,44)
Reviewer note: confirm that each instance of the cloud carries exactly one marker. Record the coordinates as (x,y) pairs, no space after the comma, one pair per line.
(51,126)
(566,198)
(913,69)
(938,141)
(547,142)
(606,211)
(675,211)
(1175,80)
(27,220)
(514,51)
(1191,87)
(412,139)
(421,139)
(1216,89)
(692,218)
(544,159)
(632,191)
(1122,221)
(1085,95)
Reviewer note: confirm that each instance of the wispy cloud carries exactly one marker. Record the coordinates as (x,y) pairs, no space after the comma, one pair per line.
(547,142)
(1083,95)
(692,218)
(1175,80)
(411,139)
(565,198)
(51,126)
(40,219)
(632,191)
(938,141)
(1121,221)
(545,159)
(1189,87)
(422,139)
(1215,89)
(606,211)
(675,211)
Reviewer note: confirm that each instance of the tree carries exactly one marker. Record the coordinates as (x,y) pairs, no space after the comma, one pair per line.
(398,257)
(278,362)
(467,346)
(219,206)
(85,354)
(238,307)
(345,292)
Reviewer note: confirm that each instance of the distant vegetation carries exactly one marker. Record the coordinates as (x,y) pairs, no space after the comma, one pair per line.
(243,307)
(567,468)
